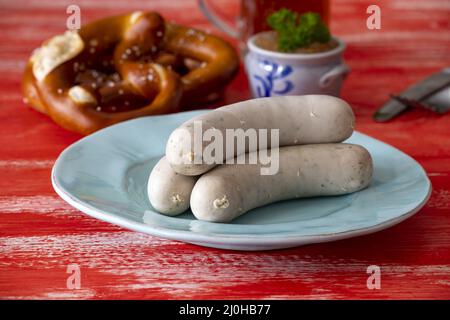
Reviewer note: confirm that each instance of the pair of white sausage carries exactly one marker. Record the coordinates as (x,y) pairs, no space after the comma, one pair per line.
(228,191)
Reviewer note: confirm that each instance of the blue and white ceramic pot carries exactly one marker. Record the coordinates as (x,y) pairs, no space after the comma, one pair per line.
(273,73)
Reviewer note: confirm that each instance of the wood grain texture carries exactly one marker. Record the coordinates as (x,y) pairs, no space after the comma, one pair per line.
(40,234)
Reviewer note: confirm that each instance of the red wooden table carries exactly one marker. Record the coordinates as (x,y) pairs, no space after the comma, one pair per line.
(40,235)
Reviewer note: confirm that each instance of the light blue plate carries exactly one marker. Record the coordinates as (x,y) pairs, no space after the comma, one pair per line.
(105,175)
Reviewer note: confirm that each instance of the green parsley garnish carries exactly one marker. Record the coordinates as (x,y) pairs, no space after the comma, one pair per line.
(296,31)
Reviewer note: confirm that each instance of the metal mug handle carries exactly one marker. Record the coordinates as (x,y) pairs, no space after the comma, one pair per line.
(341,70)
(218,22)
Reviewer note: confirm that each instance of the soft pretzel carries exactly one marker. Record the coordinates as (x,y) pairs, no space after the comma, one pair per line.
(125,67)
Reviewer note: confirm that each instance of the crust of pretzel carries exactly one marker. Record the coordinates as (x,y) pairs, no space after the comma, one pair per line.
(219,58)
(50,95)
(84,119)
(219,65)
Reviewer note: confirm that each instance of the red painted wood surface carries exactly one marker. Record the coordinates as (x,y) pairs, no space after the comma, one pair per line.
(40,234)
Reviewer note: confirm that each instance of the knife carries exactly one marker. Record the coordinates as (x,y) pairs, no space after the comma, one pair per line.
(430,93)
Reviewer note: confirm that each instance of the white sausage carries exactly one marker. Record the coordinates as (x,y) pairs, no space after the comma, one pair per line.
(168,191)
(228,191)
(300,119)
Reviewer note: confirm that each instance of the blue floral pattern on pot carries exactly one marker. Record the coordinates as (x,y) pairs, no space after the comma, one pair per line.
(275,74)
